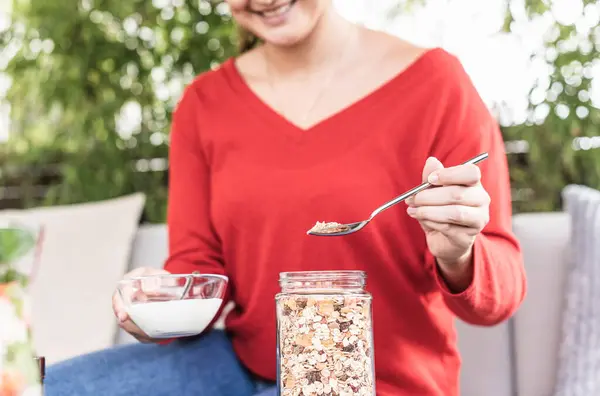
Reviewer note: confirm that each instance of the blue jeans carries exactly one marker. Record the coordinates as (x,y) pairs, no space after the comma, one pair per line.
(200,366)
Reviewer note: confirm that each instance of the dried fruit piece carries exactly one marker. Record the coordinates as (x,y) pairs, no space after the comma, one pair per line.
(286,310)
(326,308)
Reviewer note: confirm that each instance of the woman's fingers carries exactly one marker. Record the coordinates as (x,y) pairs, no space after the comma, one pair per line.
(450,195)
(135,331)
(125,321)
(119,307)
(462,175)
(450,230)
(130,294)
(467,216)
(431,165)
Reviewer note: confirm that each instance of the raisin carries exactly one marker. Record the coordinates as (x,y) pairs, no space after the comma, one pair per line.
(298,349)
(286,310)
(313,376)
(301,303)
(344,326)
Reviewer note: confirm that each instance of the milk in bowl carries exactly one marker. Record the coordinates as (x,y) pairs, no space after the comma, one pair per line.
(169,306)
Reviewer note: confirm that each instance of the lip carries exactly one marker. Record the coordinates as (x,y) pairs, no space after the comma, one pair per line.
(275,14)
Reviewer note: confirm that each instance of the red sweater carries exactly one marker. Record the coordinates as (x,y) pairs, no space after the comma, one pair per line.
(245,185)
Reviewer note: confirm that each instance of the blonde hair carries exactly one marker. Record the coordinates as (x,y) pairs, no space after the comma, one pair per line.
(246,40)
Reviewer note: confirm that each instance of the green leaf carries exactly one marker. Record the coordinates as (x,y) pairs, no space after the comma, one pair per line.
(14,243)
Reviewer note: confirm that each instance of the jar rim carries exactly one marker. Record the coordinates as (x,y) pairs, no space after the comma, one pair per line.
(322,275)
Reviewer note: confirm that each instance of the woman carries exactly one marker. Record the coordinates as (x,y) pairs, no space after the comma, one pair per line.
(325,121)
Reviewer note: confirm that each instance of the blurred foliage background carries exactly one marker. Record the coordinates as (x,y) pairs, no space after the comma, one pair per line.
(78,66)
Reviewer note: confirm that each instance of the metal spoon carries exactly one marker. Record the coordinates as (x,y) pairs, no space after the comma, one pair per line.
(189,280)
(351,228)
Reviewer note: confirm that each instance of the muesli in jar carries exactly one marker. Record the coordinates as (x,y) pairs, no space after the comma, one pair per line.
(325,345)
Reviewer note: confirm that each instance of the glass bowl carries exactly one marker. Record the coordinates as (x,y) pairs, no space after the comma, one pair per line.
(173,305)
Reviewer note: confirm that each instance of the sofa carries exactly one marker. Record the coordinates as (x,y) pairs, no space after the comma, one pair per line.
(517,357)
(89,247)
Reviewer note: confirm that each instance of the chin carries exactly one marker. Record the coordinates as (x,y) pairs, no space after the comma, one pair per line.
(282,39)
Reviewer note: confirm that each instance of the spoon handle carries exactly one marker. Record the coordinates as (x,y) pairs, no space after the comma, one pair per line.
(189,280)
(420,188)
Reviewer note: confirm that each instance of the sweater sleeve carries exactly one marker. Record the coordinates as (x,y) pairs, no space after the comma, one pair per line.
(499,284)
(193,243)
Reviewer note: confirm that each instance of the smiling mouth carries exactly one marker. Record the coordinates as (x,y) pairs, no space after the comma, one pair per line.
(275,11)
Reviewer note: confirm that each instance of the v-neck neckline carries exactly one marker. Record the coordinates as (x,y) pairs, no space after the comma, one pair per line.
(251,98)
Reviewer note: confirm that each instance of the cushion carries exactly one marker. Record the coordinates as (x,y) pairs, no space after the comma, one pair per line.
(579,358)
(486,359)
(150,249)
(85,251)
(544,240)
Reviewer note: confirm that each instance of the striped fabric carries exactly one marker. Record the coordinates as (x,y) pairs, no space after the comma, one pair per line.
(579,358)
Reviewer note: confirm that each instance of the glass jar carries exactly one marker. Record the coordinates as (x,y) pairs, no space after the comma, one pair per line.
(324,334)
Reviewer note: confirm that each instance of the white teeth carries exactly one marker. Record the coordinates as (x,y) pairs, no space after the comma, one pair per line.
(277,11)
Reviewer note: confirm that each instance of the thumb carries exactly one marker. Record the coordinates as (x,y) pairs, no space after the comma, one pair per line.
(119,308)
(432,164)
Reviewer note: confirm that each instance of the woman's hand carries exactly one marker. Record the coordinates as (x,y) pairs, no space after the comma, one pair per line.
(451,214)
(125,321)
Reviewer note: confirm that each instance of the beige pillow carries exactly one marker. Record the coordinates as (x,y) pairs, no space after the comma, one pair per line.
(85,251)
